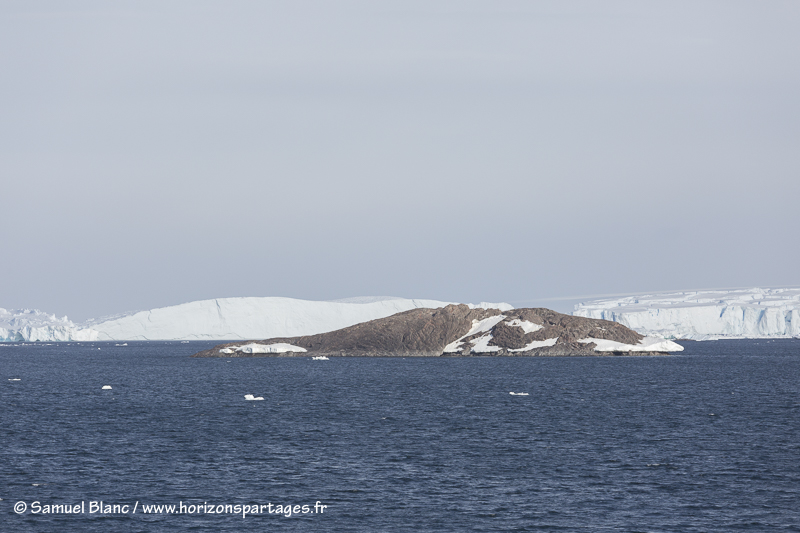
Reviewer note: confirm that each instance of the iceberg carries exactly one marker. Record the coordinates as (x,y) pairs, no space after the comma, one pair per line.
(32,325)
(217,319)
(704,315)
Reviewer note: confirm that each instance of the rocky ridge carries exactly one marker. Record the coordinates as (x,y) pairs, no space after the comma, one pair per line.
(458,330)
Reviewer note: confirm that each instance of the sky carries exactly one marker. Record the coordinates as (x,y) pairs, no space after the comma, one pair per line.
(537,153)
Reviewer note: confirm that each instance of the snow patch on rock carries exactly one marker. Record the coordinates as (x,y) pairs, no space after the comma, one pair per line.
(527,326)
(278,347)
(478,326)
(536,344)
(481,345)
(648,344)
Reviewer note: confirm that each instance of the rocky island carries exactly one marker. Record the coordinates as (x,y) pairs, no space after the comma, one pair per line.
(458,330)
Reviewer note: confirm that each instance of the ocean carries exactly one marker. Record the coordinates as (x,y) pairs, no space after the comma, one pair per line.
(707,440)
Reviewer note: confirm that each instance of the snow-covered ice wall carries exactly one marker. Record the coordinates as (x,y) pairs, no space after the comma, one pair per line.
(702,315)
(249,318)
(221,318)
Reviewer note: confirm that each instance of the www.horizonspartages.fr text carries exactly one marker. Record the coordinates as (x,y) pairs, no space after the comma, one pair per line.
(205,508)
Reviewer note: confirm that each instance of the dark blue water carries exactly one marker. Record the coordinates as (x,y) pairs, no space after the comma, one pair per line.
(705,441)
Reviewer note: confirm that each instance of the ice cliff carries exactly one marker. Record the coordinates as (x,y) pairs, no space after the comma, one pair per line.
(221,318)
(704,315)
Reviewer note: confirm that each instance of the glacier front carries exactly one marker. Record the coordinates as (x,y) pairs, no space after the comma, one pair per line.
(220,318)
(704,315)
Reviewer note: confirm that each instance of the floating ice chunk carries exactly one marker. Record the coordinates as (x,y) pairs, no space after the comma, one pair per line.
(123,344)
(320,358)
(106,387)
(648,344)
(535,344)
(526,325)
(252,398)
(14,379)
(519,394)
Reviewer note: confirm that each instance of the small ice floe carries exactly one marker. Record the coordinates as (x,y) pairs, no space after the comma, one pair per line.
(106,387)
(123,344)
(14,379)
(184,342)
(320,358)
(252,398)
(519,394)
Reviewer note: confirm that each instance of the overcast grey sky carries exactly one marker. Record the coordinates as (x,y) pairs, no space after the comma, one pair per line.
(153,153)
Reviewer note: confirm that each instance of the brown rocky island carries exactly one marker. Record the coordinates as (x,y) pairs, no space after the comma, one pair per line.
(458,330)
